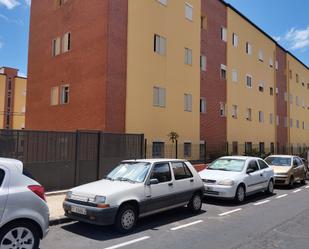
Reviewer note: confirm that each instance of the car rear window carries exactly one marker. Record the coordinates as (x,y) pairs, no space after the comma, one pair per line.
(2,174)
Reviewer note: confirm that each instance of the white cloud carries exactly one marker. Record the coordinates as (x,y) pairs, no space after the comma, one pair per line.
(28,2)
(10,4)
(296,39)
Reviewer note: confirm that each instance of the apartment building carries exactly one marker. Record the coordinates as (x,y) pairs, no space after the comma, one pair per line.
(196,67)
(119,66)
(12,99)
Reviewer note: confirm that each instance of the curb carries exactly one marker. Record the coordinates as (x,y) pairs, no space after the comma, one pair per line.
(59,220)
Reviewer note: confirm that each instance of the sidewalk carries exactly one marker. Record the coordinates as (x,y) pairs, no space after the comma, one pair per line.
(55,199)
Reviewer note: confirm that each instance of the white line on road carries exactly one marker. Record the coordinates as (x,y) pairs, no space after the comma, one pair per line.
(261,202)
(281,196)
(186,225)
(307,187)
(128,243)
(297,190)
(230,212)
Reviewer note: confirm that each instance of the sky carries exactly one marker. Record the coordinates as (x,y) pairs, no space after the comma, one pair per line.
(287,21)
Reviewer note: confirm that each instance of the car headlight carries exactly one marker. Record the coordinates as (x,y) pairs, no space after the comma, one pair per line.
(99,199)
(226,182)
(68,195)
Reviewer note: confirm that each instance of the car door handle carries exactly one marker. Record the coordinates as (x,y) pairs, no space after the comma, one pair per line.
(170,184)
(192,180)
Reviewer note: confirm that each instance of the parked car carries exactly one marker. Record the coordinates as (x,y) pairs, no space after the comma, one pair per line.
(24,214)
(236,177)
(134,189)
(288,169)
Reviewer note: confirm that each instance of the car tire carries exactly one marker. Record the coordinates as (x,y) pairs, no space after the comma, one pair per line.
(195,204)
(291,182)
(240,194)
(126,218)
(270,188)
(23,232)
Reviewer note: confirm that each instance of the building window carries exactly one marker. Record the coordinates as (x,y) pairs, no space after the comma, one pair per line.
(285,123)
(234,111)
(307,85)
(272,148)
(223,34)
(159,44)
(189,11)
(285,96)
(61,2)
(248,48)
(234,75)
(188,102)
(204,22)
(157,149)
(297,101)
(271,62)
(65,91)
(187,149)
(164,2)
(235,148)
(291,122)
(202,105)
(223,72)
(261,86)
(249,114)
(261,55)
(271,118)
(249,80)
(248,148)
(278,120)
(66,46)
(297,78)
(54,96)
(262,148)
(291,99)
(56,46)
(271,91)
(235,40)
(188,56)
(261,117)
(222,109)
(203,63)
(159,97)
(291,74)
(297,124)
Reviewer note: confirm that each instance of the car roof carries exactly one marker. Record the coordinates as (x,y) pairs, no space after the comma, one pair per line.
(155,160)
(239,157)
(12,164)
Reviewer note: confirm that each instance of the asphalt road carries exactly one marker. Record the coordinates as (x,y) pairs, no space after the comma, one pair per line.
(262,222)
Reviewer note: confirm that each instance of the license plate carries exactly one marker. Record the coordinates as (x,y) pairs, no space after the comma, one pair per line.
(78,210)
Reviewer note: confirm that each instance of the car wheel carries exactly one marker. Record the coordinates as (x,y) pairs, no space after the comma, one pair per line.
(195,204)
(303,181)
(20,235)
(291,183)
(126,219)
(270,188)
(240,194)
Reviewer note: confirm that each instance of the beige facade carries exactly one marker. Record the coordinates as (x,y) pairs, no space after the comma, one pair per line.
(249,53)
(160,38)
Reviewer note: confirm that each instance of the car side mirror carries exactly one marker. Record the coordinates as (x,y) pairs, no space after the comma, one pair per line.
(153,181)
(249,171)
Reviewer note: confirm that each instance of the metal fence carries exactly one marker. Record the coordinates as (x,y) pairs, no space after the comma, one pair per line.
(61,160)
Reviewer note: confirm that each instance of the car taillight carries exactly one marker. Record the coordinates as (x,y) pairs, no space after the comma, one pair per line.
(38,190)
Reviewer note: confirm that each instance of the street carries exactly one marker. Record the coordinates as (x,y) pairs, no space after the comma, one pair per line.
(262,222)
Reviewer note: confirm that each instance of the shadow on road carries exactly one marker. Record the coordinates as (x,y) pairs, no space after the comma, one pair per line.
(104,233)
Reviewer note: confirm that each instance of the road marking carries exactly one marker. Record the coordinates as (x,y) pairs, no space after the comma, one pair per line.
(230,212)
(261,202)
(307,187)
(128,243)
(281,196)
(186,225)
(297,190)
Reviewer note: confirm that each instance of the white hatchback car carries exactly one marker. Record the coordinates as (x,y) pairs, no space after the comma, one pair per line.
(136,188)
(24,215)
(236,177)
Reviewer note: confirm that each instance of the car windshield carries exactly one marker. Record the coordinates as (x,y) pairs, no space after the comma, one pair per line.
(279,161)
(235,165)
(130,171)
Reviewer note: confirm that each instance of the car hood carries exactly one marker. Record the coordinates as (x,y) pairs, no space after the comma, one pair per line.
(218,175)
(103,188)
(281,169)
